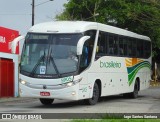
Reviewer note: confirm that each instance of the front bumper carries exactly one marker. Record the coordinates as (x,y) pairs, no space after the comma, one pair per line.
(68,93)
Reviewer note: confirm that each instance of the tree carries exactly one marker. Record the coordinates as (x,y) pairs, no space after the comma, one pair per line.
(139,16)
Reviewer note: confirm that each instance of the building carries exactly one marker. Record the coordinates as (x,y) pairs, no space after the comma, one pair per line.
(8,63)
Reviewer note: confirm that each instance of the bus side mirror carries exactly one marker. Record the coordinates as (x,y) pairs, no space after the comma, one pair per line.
(14,43)
(81,43)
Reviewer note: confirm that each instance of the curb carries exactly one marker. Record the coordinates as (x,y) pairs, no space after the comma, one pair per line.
(155,84)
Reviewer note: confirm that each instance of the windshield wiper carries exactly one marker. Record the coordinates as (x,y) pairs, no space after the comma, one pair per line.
(35,67)
(50,58)
(56,69)
(53,63)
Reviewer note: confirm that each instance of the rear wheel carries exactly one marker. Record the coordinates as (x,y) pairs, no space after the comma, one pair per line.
(95,97)
(133,94)
(46,101)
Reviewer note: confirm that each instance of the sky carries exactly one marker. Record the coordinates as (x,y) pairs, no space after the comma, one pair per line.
(16,14)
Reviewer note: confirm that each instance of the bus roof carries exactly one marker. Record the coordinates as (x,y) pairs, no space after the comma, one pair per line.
(81,26)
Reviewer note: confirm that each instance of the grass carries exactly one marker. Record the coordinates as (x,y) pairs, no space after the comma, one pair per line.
(117,120)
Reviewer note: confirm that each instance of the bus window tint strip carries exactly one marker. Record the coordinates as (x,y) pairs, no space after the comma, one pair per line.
(123,46)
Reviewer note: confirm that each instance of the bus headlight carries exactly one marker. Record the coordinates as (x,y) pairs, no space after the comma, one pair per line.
(69,84)
(23,82)
(77,81)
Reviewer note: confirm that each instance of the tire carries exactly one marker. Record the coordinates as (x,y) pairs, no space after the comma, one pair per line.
(133,94)
(95,97)
(46,101)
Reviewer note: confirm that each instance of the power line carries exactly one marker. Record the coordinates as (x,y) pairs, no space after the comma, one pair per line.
(18,14)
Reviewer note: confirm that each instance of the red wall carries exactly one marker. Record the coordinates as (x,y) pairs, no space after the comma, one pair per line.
(7,36)
(6,78)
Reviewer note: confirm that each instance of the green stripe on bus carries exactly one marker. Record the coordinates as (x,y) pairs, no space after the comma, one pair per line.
(134,70)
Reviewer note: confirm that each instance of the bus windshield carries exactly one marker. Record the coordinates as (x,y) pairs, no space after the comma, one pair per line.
(49,54)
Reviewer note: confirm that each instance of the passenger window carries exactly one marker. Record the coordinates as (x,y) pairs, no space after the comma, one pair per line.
(121,46)
(113,44)
(101,49)
(125,46)
(129,48)
(134,49)
(123,43)
(147,49)
(140,48)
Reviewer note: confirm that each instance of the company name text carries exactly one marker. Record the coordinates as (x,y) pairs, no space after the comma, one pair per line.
(2,39)
(110,64)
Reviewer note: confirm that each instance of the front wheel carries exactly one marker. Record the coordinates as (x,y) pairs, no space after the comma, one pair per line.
(46,101)
(95,97)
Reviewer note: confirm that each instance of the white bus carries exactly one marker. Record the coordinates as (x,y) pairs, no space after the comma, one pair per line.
(76,60)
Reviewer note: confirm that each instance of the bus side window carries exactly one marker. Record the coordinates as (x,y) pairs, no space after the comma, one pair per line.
(147,49)
(140,48)
(100,49)
(116,45)
(121,46)
(125,47)
(129,47)
(134,45)
(84,57)
(87,50)
(113,44)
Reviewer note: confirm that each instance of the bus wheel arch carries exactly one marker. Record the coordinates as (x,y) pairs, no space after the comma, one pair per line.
(138,81)
(98,81)
(134,94)
(136,89)
(96,94)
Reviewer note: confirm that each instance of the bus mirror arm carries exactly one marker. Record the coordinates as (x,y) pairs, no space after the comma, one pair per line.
(81,43)
(14,43)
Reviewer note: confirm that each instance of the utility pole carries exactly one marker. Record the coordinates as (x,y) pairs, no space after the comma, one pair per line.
(33,7)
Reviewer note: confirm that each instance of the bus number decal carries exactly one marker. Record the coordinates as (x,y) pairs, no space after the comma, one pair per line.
(84,89)
(67,79)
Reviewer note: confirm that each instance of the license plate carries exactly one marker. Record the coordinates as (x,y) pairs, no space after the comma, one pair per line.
(45,93)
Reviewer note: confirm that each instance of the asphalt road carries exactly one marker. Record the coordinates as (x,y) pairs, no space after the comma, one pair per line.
(147,102)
